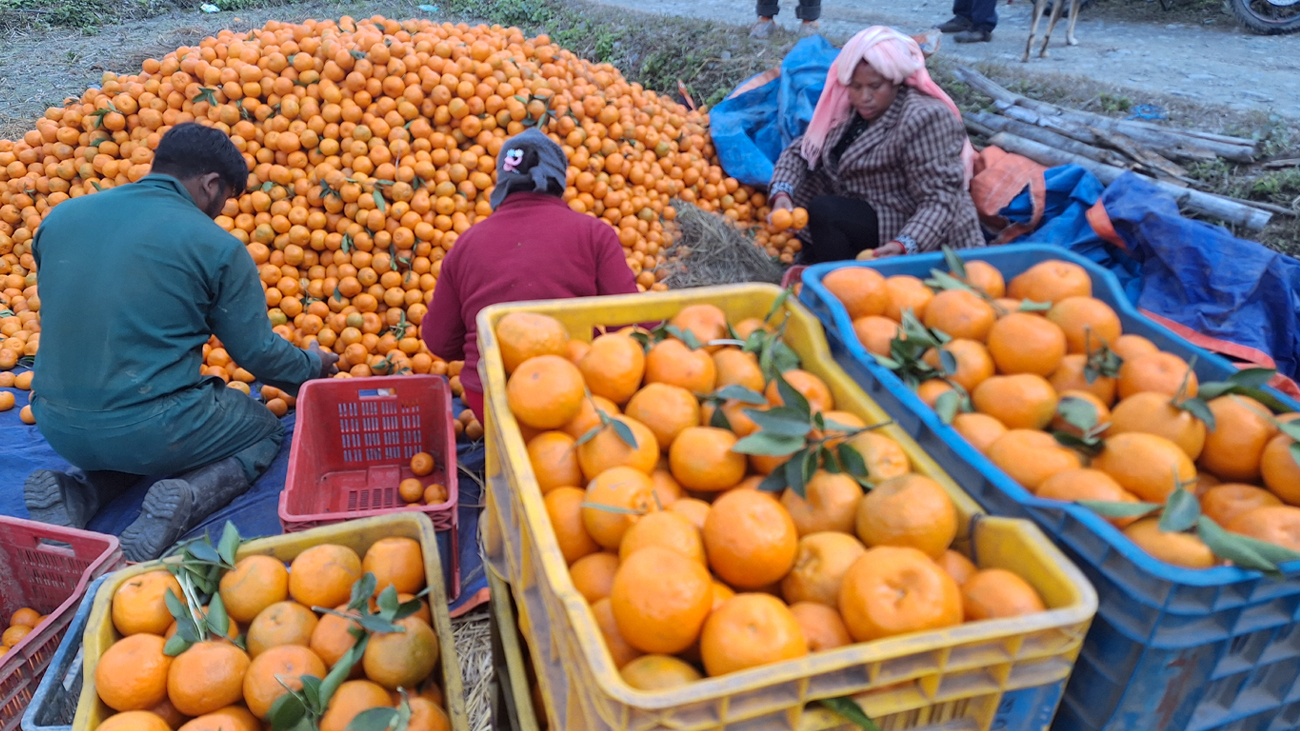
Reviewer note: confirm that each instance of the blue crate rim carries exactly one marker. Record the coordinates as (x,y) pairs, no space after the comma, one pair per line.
(1217,576)
(71,642)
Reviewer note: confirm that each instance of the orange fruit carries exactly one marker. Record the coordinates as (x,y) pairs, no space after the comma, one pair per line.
(738,421)
(1023,343)
(322,576)
(672,362)
(1067,399)
(140,605)
(1280,470)
(1050,281)
(274,669)
(1180,549)
(750,630)
(960,313)
(608,450)
(821,626)
(1021,401)
(620,651)
(282,623)
(666,530)
(1222,503)
(435,494)
(819,567)
(577,350)
(554,460)
(974,364)
(666,411)
(750,539)
(524,335)
(589,416)
(706,322)
(831,503)
(402,659)
(1071,375)
(167,712)
(1151,412)
(1086,321)
(906,293)
(701,459)
(838,422)
(998,594)
(613,367)
(1086,484)
(1129,347)
(396,562)
(1159,372)
(207,677)
(876,333)
(132,673)
(930,391)
(254,584)
(230,718)
(891,591)
(1031,457)
(737,368)
(883,456)
(134,721)
(564,508)
(908,510)
(421,464)
(660,599)
(593,575)
(980,430)
(545,392)
(666,489)
(1146,465)
(1276,524)
(985,277)
(957,566)
(692,509)
(1235,448)
(411,490)
(351,698)
(13,635)
(812,388)
(622,488)
(25,617)
(861,290)
(658,672)
(331,637)
(426,715)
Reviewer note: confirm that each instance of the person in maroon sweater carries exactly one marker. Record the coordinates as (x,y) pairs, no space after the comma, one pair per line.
(531,247)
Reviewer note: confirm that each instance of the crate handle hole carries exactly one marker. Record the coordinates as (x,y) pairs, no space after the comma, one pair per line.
(376,392)
(49,544)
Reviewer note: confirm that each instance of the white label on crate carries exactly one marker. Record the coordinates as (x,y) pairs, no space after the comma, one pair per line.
(73,670)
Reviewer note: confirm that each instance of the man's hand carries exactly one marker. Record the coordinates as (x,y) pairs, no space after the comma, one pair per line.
(328,360)
(781,202)
(893,248)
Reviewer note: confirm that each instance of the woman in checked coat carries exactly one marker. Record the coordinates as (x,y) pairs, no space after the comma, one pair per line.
(885,163)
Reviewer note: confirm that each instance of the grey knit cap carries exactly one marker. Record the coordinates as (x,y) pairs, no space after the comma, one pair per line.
(529,162)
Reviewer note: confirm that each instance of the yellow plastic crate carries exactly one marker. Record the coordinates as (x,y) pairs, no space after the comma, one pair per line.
(358,535)
(511,666)
(997,674)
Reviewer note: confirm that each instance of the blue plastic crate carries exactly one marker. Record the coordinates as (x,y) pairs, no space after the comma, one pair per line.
(55,701)
(1171,649)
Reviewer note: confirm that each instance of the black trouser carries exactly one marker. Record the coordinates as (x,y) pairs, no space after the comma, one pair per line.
(840,228)
(807,10)
(983,14)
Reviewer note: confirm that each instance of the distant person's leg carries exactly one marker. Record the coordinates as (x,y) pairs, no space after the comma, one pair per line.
(809,11)
(961,17)
(984,18)
(767,10)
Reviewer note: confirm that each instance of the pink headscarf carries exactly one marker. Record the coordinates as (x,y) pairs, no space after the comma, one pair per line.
(893,55)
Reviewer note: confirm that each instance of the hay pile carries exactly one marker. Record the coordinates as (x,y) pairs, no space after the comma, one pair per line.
(711,250)
(474,647)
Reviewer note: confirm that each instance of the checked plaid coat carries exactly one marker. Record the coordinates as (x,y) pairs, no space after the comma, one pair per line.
(907,165)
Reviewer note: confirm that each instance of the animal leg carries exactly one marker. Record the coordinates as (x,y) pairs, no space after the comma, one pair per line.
(1039,7)
(1070,40)
(1051,25)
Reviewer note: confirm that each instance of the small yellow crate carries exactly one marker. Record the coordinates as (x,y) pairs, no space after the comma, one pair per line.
(358,535)
(1005,674)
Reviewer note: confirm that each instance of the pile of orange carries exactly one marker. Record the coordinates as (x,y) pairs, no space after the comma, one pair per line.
(688,568)
(371,146)
(217,685)
(414,490)
(22,623)
(1019,365)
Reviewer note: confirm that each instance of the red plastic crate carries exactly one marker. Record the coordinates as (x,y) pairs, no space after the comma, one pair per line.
(47,568)
(353,442)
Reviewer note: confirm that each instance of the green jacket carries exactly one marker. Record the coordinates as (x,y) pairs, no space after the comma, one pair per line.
(133,280)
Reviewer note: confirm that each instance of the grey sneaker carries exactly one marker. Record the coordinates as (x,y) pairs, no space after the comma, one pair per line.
(956,25)
(763,28)
(974,36)
(810,28)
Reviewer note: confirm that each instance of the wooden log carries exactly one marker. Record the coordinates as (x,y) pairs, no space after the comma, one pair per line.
(1085,133)
(1047,137)
(1228,210)
(1139,153)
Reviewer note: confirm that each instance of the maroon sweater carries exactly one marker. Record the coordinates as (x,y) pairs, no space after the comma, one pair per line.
(532,247)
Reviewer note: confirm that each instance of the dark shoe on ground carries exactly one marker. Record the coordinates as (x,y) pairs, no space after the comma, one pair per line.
(59,499)
(810,28)
(174,506)
(763,28)
(956,25)
(974,36)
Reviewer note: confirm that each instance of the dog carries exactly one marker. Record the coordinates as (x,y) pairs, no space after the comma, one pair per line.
(1039,7)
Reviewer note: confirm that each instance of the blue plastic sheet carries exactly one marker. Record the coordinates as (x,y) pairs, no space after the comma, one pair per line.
(255,513)
(750,130)
(1191,272)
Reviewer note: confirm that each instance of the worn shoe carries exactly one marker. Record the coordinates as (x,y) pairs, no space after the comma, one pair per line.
(956,25)
(763,28)
(974,36)
(174,506)
(59,499)
(810,28)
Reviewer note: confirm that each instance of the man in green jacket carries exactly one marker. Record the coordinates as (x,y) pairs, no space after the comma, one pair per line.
(134,280)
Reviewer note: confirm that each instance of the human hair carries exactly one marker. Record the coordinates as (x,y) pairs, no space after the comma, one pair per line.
(189,150)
